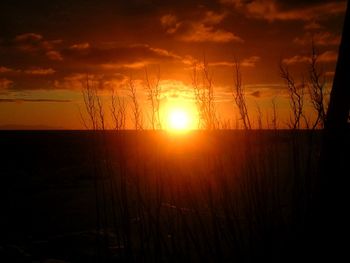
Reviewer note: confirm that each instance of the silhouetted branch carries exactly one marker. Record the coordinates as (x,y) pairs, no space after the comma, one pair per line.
(296,96)
(274,114)
(118,110)
(239,96)
(89,96)
(259,116)
(137,117)
(101,113)
(204,95)
(154,93)
(317,89)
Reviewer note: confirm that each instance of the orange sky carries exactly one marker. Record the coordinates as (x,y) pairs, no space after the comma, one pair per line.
(47,48)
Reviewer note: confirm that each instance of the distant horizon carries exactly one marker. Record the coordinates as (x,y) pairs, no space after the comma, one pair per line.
(46,128)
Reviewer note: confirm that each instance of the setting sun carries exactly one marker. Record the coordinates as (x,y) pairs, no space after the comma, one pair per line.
(149,130)
(179,119)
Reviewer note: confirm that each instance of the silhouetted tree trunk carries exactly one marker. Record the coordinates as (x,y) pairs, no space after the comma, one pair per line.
(329,218)
(338,110)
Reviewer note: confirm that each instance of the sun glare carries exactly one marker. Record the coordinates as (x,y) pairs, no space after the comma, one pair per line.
(179,120)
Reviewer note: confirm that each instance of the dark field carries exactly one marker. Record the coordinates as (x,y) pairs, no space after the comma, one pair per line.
(223,196)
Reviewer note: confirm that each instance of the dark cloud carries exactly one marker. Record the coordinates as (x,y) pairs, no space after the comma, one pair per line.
(5,84)
(256,94)
(249,62)
(329,56)
(54,55)
(46,44)
(85,15)
(32,42)
(29,78)
(10,72)
(58,66)
(296,59)
(273,10)
(321,38)
(204,28)
(117,54)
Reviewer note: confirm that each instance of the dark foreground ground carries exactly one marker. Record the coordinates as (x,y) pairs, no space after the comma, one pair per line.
(75,196)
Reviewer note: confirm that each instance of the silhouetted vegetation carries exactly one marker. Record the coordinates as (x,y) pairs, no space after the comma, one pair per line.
(202,82)
(204,196)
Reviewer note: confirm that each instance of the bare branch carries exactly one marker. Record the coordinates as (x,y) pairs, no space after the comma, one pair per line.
(137,117)
(154,96)
(118,110)
(259,116)
(296,96)
(89,96)
(239,96)
(317,88)
(274,114)
(204,96)
(100,111)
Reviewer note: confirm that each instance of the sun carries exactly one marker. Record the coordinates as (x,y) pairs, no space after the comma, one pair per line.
(179,120)
(179,116)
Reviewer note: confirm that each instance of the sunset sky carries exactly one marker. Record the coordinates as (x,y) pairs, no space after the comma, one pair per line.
(47,48)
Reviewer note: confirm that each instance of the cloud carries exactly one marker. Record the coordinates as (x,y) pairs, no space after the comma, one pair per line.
(132,65)
(296,59)
(266,90)
(72,81)
(250,62)
(176,89)
(54,55)
(36,43)
(327,56)
(170,23)
(202,33)
(320,38)
(247,62)
(6,70)
(212,18)
(39,71)
(119,56)
(203,29)
(256,94)
(32,42)
(80,46)
(29,78)
(312,25)
(102,60)
(5,83)
(76,81)
(30,71)
(273,10)
(221,64)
